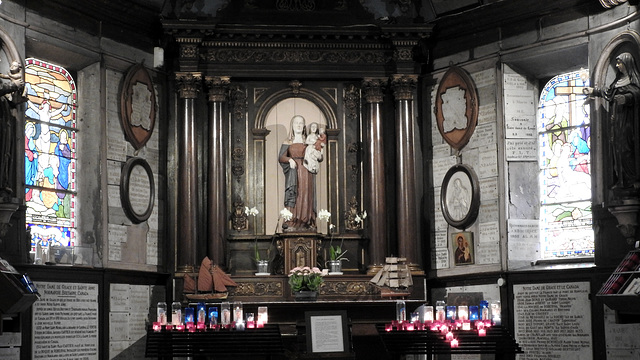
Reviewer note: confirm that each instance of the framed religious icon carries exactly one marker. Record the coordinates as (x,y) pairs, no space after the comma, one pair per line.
(462,248)
(137,190)
(138,106)
(460,196)
(456,107)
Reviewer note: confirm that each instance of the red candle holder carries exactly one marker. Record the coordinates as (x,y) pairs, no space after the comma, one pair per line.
(388,327)
(168,327)
(251,324)
(180,327)
(444,329)
(449,336)
(157,327)
(482,332)
(454,343)
(201,326)
(260,324)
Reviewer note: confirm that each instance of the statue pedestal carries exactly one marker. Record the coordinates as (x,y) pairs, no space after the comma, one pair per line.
(299,249)
(626,212)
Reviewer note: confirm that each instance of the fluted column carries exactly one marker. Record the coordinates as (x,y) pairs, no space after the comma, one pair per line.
(374,184)
(403,90)
(217,210)
(188,86)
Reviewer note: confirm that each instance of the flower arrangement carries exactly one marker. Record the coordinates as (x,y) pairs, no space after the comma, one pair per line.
(253,212)
(360,217)
(335,252)
(305,278)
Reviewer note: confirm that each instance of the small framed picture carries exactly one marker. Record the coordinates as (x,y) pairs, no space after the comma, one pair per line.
(463,250)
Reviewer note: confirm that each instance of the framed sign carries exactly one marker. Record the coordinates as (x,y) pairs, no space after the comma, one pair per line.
(456,107)
(137,190)
(460,196)
(138,106)
(327,332)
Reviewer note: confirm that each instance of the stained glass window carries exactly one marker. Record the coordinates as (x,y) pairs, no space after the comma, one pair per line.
(564,137)
(50,154)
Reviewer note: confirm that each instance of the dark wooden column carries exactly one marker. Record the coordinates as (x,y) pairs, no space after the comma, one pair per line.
(403,90)
(217,210)
(188,84)
(374,184)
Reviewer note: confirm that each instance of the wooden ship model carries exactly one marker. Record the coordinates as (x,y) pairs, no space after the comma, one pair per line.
(211,283)
(394,279)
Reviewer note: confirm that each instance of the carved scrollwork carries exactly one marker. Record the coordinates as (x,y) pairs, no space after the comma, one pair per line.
(348,288)
(239,220)
(266,288)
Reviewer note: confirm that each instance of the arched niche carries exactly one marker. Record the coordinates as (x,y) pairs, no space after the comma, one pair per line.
(274,115)
(603,75)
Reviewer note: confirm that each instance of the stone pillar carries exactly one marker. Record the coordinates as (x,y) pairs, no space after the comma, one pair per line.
(403,90)
(374,184)
(188,85)
(217,209)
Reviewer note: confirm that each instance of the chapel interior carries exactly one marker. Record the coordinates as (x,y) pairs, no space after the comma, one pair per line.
(415,152)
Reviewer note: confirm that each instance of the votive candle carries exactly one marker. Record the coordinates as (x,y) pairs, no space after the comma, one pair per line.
(454,343)
(482,332)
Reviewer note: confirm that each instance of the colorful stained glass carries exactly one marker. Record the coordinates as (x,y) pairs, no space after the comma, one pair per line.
(50,153)
(564,139)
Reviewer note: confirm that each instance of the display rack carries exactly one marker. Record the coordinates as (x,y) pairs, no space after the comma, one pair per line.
(497,341)
(224,343)
(621,292)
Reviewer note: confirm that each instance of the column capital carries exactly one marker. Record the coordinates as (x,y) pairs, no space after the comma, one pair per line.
(404,86)
(374,89)
(217,86)
(189,83)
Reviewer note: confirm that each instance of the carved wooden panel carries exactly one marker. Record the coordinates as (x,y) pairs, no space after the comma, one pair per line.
(299,250)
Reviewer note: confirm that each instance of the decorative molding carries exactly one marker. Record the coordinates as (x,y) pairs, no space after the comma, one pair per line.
(351,214)
(352,102)
(348,288)
(259,288)
(294,56)
(239,220)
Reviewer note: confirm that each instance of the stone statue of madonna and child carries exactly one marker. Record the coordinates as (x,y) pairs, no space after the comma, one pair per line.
(300,156)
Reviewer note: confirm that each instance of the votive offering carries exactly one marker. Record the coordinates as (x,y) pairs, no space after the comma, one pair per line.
(188,315)
(162,313)
(213,315)
(496,312)
(451,312)
(225,313)
(401,310)
(440,311)
(463,312)
(176,313)
(237,311)
(473,312)
(201,313)
(263,314)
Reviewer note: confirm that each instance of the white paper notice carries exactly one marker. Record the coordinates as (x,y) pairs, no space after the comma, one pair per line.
(65,321)
(524,242)
(553,320)
(326,334)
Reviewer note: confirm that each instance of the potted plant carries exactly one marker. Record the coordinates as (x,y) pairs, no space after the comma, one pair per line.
(305,282)
(336,255)
(261,264)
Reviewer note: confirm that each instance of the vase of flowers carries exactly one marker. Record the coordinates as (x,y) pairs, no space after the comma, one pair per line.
(305,282)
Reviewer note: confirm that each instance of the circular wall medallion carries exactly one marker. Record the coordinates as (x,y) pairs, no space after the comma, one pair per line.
(460,196)
(137,190)
(456,107)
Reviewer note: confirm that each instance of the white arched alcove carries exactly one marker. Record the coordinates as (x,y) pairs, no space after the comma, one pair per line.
(278,121)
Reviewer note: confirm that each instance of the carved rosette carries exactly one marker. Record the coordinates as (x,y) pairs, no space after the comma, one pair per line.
(217,86)
(188,51)
(404,86)
(374,89)
(188,84)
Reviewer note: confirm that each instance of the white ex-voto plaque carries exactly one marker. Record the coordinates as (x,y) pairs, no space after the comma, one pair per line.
(553,321)
(65,321)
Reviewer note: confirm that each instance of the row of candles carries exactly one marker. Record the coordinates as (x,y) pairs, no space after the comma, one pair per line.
(201,317)
(442,312)
(446,318)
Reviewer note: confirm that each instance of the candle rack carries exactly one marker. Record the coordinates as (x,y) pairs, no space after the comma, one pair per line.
(497,341)
(621,291)
(258,342)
